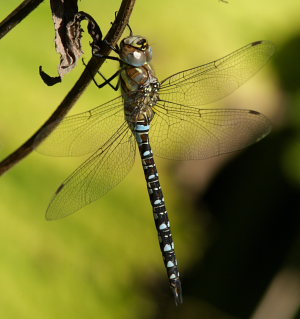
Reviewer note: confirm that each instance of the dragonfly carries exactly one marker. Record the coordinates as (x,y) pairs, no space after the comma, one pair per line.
(170,115)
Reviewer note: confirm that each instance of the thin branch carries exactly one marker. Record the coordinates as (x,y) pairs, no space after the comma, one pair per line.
(94,64)
(17,15)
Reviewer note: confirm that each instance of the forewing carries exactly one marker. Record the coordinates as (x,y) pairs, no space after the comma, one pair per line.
(83,133)
(96,176)
(185,133)
(210,82)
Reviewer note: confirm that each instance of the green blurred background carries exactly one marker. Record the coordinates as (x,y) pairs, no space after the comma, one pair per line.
(235,218)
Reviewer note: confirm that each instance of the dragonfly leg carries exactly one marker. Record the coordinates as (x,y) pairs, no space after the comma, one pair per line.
(114,48)
(116,87)
(106,81)
(130,30)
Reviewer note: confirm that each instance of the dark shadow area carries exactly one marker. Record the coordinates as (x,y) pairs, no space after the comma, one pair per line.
(257,212)
(254,209)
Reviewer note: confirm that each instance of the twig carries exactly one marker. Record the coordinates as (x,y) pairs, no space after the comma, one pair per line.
(17,15)
(94,64)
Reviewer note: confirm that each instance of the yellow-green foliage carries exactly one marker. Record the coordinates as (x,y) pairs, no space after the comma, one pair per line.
(94,264)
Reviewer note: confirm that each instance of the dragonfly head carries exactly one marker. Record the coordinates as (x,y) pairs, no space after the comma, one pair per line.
(135,50)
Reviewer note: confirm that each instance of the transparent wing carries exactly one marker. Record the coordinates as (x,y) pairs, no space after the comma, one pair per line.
(210,82)
(96,176)
(183,133)
(85,132)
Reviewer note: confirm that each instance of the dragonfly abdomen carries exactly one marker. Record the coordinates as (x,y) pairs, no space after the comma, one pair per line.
(162,223)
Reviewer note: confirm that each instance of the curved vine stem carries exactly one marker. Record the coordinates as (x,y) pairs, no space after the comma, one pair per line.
(93,65)
(17,16)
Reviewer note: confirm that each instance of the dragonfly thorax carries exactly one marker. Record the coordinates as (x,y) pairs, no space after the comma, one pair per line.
(139,84)
(138,105)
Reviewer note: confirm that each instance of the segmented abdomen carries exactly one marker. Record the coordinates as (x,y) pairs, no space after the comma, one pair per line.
(141,132)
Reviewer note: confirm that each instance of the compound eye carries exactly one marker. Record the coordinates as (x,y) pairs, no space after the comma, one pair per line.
(148,54)
(135,58)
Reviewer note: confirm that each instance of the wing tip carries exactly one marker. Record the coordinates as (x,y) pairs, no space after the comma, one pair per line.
(254,112)
(49,218)
(269,43)
(59,188)
(257,42)
(52,213)
(268,124)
